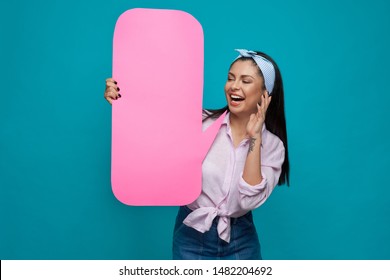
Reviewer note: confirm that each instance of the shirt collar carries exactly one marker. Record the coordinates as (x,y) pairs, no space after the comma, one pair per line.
(226,119)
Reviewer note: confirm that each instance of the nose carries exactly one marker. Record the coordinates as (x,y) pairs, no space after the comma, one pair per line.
(235,85)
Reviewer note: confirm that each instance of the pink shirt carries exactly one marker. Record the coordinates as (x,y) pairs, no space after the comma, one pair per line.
(224,192)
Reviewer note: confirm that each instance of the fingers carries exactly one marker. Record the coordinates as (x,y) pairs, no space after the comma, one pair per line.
(110,80)
(265,101)
(252,117)
(112,90)
(268,98)
(262,106)
(111,84)
(110,96)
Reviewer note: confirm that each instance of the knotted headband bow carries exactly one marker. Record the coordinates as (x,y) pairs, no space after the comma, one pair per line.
(265,66)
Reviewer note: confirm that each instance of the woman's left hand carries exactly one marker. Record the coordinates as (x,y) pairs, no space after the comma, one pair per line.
(256,120)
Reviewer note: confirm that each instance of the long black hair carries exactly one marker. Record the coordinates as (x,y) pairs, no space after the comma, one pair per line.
(275,119)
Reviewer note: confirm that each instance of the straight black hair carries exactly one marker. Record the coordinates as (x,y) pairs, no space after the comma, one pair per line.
(275,119)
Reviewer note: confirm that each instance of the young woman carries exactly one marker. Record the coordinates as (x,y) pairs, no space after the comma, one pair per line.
(247,159)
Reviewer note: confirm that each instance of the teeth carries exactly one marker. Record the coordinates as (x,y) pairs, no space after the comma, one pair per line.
(236,96)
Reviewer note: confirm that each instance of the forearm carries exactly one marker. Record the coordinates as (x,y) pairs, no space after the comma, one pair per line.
(252,169)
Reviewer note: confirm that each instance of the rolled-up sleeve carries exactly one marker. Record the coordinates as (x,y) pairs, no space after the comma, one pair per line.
(272,158)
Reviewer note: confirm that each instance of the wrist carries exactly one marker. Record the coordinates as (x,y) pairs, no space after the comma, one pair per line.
(255,136)
(254,144)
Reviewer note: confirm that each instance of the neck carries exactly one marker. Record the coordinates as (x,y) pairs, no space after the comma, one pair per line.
(238,124)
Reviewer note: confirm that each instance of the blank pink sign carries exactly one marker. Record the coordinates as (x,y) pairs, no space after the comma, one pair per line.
(157,141)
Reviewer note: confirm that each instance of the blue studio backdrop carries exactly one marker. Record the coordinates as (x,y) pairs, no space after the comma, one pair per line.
(55,194)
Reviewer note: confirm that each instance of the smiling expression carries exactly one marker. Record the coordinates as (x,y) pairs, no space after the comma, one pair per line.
(244,87)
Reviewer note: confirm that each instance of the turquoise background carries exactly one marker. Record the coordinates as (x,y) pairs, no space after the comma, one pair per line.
(55,194)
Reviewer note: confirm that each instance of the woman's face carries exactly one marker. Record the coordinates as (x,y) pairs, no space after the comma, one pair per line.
(243,88)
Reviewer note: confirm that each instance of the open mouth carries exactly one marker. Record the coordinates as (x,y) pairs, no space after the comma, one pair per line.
(236,99)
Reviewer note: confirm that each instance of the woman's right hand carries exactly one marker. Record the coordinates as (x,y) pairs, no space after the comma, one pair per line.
(112,90)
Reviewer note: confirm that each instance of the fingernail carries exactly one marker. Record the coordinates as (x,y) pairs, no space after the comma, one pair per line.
(115,82)
(118,89)
(120,95)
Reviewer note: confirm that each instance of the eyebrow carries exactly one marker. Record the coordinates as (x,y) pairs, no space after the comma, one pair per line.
(243,76)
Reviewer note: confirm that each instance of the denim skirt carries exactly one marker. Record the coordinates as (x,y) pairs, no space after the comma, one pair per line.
(190,244)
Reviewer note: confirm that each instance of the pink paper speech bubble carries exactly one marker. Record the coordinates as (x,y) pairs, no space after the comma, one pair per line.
(157,141)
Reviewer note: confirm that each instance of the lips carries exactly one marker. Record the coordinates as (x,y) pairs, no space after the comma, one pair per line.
(236,100)
(236,97)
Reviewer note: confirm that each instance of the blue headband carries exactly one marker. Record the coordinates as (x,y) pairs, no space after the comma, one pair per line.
(266,67)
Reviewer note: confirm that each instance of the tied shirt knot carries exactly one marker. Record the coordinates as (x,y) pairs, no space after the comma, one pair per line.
(202,218)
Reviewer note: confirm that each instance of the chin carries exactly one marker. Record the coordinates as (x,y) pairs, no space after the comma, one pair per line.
(236,111)
(239,111)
